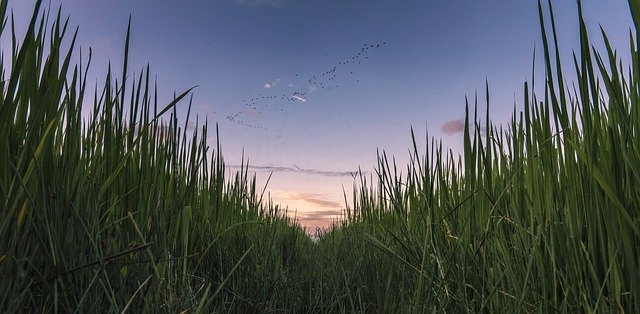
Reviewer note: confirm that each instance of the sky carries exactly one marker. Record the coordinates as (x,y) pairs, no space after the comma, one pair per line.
(309,90)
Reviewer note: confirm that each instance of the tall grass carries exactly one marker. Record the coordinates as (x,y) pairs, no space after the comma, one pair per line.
(541,215)
(121,209)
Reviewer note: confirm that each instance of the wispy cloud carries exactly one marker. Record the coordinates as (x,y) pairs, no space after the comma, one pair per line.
(312,220)
(257,3)
(316,199)
(318,215)
(452,127)
(297,169)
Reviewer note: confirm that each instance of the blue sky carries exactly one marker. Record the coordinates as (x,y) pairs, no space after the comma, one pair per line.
(431,54)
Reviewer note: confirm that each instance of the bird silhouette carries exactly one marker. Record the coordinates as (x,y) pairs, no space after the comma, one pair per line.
(339,74)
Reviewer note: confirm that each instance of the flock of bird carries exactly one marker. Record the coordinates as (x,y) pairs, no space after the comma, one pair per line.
(333,78)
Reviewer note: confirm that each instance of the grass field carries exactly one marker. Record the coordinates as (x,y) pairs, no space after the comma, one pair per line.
(119,208)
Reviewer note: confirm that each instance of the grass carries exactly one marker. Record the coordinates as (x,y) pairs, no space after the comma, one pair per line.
(121,209)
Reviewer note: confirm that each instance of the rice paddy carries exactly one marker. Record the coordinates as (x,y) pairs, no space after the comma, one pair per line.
(114,206)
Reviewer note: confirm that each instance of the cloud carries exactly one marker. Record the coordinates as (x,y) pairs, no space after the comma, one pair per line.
(316,199)
(319,214)
(307,197)
(322,216)
(300,170)
(258,3)
(452,127)
(318,219)
(312,210)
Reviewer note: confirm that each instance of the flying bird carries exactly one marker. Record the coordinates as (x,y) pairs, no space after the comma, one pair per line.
(342,70)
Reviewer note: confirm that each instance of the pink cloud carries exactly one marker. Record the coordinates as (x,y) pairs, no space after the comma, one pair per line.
(318,219)
(452,127)
(316,199)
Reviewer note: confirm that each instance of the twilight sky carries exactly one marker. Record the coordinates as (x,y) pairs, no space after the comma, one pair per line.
(309,89)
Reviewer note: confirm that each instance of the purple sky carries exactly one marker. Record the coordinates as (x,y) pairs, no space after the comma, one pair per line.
(314,117)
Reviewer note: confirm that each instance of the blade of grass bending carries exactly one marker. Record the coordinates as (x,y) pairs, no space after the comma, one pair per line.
(36,156)
(97,262)
(376,243)
(233,270)
(144,241)
(606,188)
(606,276)
(126,307)
(204,301)
(529,269)
(223,232)
(120,166)
(86,291)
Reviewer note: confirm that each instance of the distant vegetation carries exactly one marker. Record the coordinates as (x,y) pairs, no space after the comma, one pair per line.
(121,209)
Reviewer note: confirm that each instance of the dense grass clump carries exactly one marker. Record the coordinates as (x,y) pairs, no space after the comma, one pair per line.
(542,215)
(121,208)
